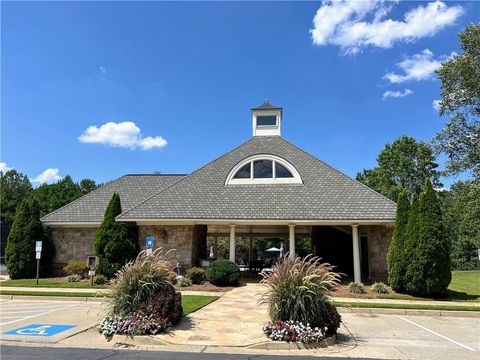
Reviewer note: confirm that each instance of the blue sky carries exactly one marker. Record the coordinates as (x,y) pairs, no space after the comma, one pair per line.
(176,80)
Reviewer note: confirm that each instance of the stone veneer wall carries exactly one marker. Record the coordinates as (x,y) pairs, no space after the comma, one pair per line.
(178,237)
(379,238)
(72,244)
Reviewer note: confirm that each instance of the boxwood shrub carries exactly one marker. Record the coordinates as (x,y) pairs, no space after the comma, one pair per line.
(223,272)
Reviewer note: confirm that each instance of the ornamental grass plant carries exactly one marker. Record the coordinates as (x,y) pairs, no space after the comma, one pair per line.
(299,289)
(141,283)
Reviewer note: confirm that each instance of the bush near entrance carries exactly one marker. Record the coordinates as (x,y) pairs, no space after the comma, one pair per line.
(115,243)
(76,268)
(143,297)
(298,290)
(197,275)
(223,272)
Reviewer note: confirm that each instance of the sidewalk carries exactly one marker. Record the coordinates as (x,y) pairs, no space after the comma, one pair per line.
(412,302)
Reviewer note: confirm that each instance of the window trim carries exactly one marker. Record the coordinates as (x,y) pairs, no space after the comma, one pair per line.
(296,179)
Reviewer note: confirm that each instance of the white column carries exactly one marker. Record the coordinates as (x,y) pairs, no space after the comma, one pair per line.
(291,228)
(356,254)
(232,243)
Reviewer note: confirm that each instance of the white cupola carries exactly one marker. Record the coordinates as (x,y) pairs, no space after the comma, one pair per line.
(266,120)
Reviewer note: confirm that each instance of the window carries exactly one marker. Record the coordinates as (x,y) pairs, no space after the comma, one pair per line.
(264,120)
(243,173)
(281,171)
(264,169)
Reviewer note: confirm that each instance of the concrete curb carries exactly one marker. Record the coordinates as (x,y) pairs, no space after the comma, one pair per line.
(414,312)
(283,345)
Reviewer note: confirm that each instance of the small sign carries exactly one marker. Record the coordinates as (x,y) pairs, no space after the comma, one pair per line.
(38,246)
(149,242)
(38,255)
(40,330)
(91,272)
(92,262)
(478,254)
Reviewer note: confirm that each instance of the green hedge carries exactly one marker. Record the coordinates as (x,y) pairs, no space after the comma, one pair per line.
(223,272)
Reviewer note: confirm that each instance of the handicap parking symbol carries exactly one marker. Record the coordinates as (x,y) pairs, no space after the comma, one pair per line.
(40,330)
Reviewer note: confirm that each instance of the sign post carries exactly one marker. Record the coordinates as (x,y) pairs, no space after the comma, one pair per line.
(38,255)
(149,243)
(92,262)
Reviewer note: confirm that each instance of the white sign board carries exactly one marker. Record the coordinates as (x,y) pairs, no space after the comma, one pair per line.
(91,272)
(38,255)
(38,246)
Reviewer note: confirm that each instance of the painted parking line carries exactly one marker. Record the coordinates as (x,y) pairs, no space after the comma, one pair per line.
(39,314)
(437,334)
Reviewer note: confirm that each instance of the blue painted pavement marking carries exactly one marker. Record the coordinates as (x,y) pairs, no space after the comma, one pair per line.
(40,330)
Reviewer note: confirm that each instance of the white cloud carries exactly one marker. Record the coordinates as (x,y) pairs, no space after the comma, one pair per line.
(418,67)
(102,69)
(125,134)
(436,104)
(354,25)
(396,94)
(4,167)
(48,176)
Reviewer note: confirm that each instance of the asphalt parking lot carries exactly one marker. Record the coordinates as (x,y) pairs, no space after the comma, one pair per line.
(392,336)
(45,321)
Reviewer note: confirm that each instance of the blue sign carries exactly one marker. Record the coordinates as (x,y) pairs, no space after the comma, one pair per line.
(150,242)
(40,330)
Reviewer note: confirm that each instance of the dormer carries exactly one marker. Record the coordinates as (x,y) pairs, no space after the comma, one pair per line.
(266,120)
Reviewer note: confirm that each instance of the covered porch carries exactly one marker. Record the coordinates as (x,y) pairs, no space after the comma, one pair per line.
(253,246)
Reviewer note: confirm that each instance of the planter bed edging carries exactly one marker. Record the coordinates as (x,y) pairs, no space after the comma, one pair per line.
(283,345)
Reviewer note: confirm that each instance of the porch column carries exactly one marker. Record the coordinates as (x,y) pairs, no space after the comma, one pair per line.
(232,243)
(291,254)
(356,254)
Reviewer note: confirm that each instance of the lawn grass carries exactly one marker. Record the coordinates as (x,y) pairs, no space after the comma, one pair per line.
(191,303)
(465,285)
(48,283)
(49,293)
(372,305)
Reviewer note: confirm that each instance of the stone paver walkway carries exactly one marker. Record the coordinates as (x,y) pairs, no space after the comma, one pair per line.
(233,320)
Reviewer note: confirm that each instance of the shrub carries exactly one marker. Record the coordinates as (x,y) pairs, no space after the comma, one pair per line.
(223,272)
(299,290)
(379,288)
(74,278)
(76,268)
(100,279)
(185,282)
(396,261)
(20,249)
(143,285)
(356,288)
(196,274)
(115,243)
(429,270)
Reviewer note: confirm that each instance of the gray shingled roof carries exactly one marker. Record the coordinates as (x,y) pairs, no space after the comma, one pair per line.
(326,194)
(133,189)
(267,106)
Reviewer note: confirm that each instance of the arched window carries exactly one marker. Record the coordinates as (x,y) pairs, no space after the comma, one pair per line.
(263,169)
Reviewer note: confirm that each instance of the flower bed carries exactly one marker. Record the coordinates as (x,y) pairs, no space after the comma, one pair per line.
(135,324)
(293,331)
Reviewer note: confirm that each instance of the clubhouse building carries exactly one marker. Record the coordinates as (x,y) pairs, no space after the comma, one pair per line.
(264,188)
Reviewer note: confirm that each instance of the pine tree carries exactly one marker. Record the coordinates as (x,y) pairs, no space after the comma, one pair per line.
(20,250)
(396,261)
(429,271)
(115,243)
